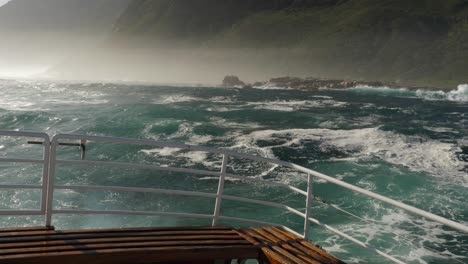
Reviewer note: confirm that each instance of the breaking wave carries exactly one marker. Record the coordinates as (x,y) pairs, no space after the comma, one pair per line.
(413,152)
(459,95)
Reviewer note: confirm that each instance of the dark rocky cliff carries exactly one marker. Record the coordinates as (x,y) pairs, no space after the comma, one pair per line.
(423,42)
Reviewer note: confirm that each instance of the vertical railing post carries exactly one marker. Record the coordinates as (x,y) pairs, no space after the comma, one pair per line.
(219,194)
(308,206)
(50,183)
(45,173)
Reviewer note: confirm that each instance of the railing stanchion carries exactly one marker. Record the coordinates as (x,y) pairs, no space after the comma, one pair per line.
(308,205)
(45,173)
(50,183)
(219,194)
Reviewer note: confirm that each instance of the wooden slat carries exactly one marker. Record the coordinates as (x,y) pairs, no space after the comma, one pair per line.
(63,236)
(309,246)
(283,243)
(293,245)
(274,244)
(148,245)
(116,239)
(38,232)
(269,256)
(25,229)
(137,255)
(269,253)
(111,245)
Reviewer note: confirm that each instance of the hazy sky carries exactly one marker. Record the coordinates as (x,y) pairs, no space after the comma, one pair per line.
(2,2)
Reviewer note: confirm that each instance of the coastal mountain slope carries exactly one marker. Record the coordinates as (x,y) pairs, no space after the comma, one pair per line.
(420,42)
(199,20)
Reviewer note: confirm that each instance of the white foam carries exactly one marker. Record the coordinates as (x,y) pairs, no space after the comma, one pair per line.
(234,125)
(222,109)
(409,244)
(170,99)
(177,99)
(289,106)
(269,86)
(459,95)
(383,90)
(195,157)
(37,96)
(441,129)
(415,153)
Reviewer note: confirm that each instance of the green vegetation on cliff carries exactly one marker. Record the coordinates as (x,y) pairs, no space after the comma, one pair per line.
(422,42)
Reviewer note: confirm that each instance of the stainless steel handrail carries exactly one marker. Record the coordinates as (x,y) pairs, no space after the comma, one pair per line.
(45,171)
(50,162)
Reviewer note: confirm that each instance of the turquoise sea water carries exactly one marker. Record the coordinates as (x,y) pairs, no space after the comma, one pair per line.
(399,143)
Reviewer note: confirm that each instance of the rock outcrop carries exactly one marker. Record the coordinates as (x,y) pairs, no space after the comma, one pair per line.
(316,83)
(232,81)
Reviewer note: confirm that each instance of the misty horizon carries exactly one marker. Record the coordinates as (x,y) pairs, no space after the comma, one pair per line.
(186,43)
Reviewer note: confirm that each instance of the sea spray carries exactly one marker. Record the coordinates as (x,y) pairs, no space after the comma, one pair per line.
(459,95)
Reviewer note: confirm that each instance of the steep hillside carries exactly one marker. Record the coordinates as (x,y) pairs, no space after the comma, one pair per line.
(199,20)
(423,42)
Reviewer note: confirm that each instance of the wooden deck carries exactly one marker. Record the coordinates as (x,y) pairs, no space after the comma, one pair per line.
(157,245)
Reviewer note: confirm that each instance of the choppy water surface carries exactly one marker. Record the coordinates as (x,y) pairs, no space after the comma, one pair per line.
(399,143)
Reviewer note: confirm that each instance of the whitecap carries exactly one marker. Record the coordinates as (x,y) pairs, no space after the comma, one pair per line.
(293,105)
(177,99)
(269,86)
(416,153)
(459,95)
(441,129)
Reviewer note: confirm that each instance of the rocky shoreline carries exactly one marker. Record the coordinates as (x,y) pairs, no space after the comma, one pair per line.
(311,83)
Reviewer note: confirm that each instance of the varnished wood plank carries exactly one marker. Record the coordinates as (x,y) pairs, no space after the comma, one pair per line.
(117,246)
(270,253)
(25,229)
(66,235)
(274,244)
(13,233)
(269,256)
(284,243)
(316,254)
(116,239)
(136,255)
(297,249)
(146,245)
(308,246)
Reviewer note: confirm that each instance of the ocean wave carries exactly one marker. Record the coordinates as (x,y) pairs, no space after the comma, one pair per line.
(459,95)
(181,98)
(384,90)
(290,106)
(37,96)
(413,152)
(177,99)
(269,86)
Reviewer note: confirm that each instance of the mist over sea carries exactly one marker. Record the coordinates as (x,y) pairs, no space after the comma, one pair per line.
(396,142)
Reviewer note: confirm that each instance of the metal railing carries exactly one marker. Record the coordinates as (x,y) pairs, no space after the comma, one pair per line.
(50,162)
(44,161)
